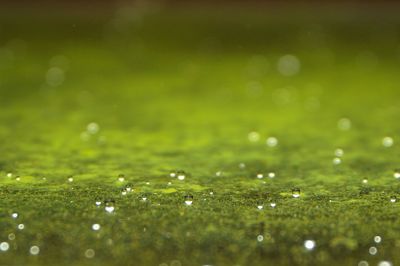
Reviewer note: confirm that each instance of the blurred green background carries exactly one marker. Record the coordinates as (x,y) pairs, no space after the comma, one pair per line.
(250,101)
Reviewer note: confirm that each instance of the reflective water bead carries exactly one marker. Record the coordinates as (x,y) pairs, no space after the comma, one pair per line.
(271,174)
(344,124)
(309,244)
(121,178)
(296,192)
(387,142)
(89,253)
(172,174)
(373,250)
(4,246)
(397,174)
(181,175)
(109,205)
(288,65)
(97,202)
(92,128)
(363,263)
(144,196)
(188,200)
(96,227)
(336,161)
(34,250)
(339,152)
(272,142)
(259,176)
(11,236)
(253,136)
(260,205)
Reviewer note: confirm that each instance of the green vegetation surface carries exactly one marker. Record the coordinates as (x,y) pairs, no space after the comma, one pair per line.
(93,104)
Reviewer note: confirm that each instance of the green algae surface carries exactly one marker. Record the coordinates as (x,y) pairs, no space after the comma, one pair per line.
(117,120)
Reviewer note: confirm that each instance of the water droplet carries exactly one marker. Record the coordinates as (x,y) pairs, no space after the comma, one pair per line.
(89,253)
(11,236)
(18,178)
(128,188)
(259,176)
(373,250)
(344,124)
(34,250)
(393,199)
(309,244)
(296,192)
(9,174)
(242,165)
(387,142)
(188,200)
(96,227)
(181,175)
(144,196)
(336,161)
(219,173)
(4,246)
(377,239)
(14,215)
(260,204)
(123,192)
(271,175)
(70,179)
(97,202)
(384,263)
(396,174)
(254,136)
(339,152)
(288,65)
(55,76)
(109,205)
(272,142)
(365,181)
(172,174)
(260,238)
(21,226)
(92,128)
(121,178)
(273,204)
(363,263)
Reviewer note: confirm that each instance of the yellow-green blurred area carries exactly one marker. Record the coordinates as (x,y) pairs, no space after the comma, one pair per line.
(227,107)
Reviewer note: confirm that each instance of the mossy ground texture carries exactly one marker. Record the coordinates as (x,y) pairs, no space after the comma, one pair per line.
(91,105)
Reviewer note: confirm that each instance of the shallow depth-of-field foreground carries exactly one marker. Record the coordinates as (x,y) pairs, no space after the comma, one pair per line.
(187,137)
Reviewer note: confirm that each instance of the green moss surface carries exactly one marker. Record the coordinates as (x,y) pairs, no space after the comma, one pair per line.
(181,91)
